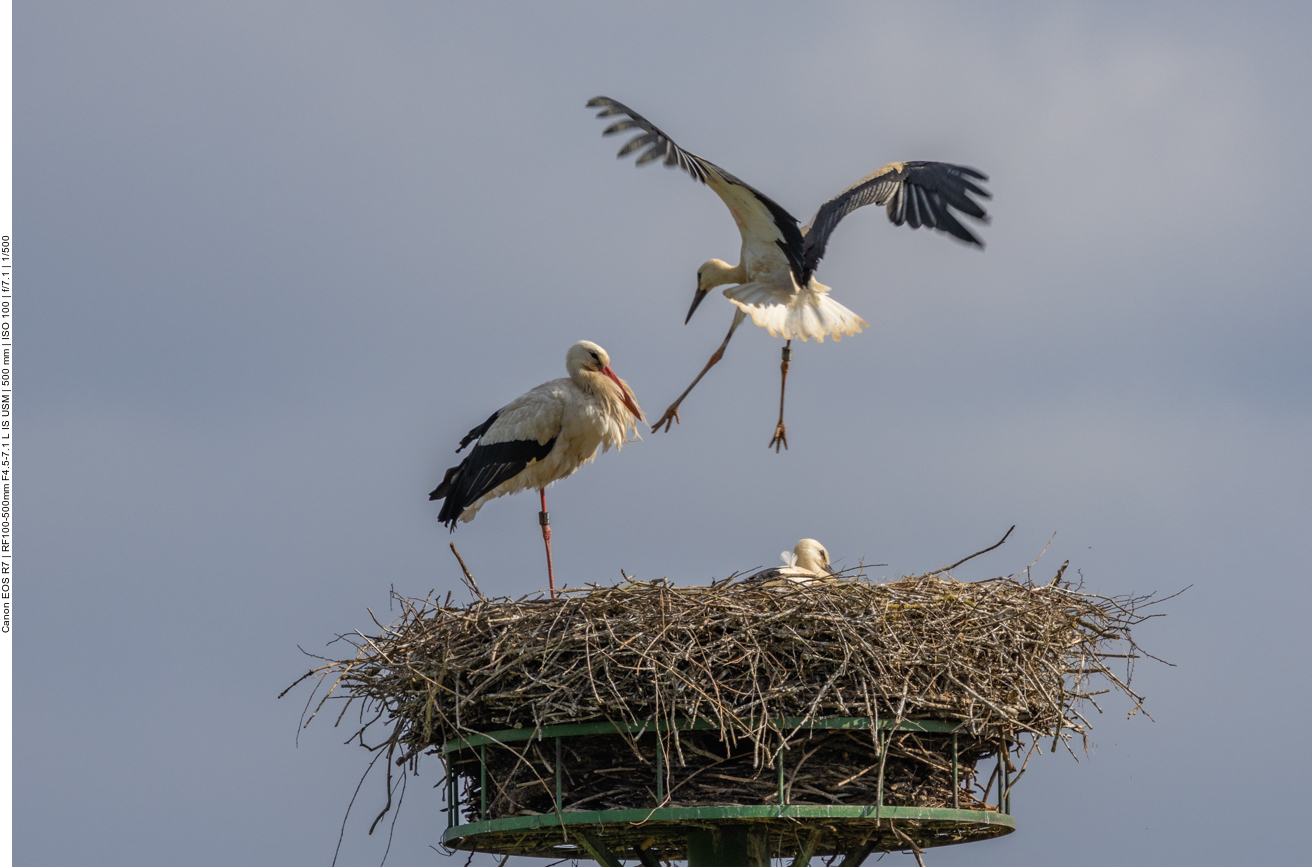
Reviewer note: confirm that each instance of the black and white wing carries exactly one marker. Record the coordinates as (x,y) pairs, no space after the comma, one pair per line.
(916,193)
(764,224)
(517,435)
(756,579)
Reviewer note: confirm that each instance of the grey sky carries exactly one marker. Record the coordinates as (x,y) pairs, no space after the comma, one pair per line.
(274,259)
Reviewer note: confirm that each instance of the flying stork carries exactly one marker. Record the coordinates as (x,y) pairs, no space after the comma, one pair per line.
(541,436)
(774,281)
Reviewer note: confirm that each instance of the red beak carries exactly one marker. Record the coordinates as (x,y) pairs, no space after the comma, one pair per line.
(624,393)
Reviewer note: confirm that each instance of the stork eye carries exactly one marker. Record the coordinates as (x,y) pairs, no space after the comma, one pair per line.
(596,358)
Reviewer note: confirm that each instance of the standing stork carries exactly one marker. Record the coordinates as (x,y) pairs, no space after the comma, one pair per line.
(774,280)
(541,436)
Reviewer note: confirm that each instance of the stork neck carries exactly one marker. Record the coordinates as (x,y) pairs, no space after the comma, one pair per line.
(598,384)
(717,273)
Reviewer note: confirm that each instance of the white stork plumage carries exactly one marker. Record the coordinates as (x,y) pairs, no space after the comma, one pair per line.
(541,436)
(774,280)
(809,561)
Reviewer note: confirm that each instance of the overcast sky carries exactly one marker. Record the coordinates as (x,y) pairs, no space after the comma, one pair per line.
(273,259)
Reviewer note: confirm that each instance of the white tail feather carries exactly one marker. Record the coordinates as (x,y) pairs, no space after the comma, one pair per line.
(808,313)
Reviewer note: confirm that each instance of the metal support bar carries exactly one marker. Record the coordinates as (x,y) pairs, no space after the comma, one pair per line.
(729,846)
(559,801)
(997,772)
(647,857)
(956,776)
(451,785)
(505,736)
(450,799)
(541,834)
(855,859)
(597,848)
(660,771)
(807,849)
(1004,781)
(879,790)
(779,765)
(482,782)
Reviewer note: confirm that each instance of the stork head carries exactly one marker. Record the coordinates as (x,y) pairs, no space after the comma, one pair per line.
(812,556)
(589,366)
(715,272)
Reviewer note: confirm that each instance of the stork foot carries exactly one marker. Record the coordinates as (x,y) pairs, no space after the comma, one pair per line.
(780,437)
(670,418)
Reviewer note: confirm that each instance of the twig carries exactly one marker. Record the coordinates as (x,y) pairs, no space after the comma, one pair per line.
(469,579)
(976,554)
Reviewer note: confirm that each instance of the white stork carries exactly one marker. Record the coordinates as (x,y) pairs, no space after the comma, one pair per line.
(543,435)
(774,280)
(809,561)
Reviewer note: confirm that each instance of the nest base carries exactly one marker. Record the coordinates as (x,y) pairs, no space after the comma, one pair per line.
(524,791)
(825,830)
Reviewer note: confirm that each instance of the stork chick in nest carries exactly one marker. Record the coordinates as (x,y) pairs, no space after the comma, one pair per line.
(808,562)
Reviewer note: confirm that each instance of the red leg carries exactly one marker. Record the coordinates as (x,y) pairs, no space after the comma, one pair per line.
(672,414)
(545,521)
(780,437)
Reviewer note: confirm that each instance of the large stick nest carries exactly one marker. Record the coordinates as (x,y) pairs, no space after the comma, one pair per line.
(1001,657)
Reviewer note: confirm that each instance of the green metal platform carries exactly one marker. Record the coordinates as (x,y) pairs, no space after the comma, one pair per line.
(729,835)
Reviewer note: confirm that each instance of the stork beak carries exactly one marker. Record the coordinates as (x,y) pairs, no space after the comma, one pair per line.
(696,299)
(624,393)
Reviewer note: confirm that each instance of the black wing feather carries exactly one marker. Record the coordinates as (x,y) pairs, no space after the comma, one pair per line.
(663,147)
(916,193)
(482,470)
(478,431)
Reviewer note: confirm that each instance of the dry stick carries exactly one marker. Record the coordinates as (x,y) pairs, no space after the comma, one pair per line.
(788,790)
(915,850)
(888,743)
(976,554)
(807,848)
(469,579)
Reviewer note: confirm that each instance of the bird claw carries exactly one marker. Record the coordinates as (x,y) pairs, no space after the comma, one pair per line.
(670,418)
(780,438)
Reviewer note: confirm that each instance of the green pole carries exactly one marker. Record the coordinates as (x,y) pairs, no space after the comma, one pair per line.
(729,846)
(779,766)
(1004,801)
(660,772)
(559,806)
(956,777)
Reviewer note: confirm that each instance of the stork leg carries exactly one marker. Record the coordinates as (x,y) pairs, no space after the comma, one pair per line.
(672,414)
(545,521)
(780,436)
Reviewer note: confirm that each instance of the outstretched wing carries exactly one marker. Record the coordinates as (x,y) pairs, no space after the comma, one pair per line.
(918,193)
(761,220)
